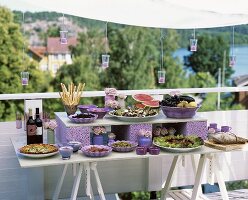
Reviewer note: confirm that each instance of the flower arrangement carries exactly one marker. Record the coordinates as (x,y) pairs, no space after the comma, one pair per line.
(97,130)
(122,96)
(110,91)
(145,133)
(112,104)
(50,125)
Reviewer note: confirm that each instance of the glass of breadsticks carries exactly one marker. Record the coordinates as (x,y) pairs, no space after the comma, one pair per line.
(71,96)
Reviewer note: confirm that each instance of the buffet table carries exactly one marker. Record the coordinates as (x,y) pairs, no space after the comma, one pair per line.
(89,164)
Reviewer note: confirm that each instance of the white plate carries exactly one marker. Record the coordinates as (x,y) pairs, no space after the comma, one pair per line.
(133,119)
(177,150)
(37,155)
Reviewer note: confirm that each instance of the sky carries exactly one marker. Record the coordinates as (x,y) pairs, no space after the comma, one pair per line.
(20,5)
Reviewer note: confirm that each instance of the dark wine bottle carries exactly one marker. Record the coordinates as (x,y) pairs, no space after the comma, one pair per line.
(38,123)
(31,128)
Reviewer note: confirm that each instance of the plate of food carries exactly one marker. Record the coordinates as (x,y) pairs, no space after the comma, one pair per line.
(134,114)
(38,150)
(179,143)
(96,150)
(123,146)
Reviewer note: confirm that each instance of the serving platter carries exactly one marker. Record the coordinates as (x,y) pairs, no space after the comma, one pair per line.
(37,155)
(133,119)
(177,150)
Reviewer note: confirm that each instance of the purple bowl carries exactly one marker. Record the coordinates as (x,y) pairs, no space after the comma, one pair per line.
(154,150)
(141,150)
(101,112)
(83,108)
(178,112)
(86,151)
(123,149)
(83,120)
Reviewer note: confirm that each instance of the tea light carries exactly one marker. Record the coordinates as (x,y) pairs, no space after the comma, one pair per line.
(154,150)
(75,145)
(141,150)
(66,152)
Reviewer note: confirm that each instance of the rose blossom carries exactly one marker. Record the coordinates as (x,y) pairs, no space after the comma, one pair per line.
(110,91)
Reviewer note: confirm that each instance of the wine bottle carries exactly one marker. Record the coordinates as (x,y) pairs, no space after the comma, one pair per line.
(31,128)
(38,123)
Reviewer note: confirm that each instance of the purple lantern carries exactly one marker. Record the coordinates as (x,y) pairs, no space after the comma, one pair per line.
(161,76)
(232,60)
(193,44)
(25,78)
(63,36)
(105,61)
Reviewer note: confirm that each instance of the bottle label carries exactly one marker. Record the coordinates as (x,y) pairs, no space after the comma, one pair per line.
(31,129)
(39,131)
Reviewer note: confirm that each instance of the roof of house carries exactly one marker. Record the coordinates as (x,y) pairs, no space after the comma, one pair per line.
(54,46)
(38,50)
(240,81)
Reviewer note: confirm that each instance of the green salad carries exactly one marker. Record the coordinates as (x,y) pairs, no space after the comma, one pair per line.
(179,141)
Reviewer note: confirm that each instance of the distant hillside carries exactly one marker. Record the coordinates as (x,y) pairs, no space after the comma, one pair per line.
(77,24)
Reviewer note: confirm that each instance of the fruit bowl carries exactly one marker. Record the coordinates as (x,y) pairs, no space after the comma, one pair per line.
(83,117)
(101,112)
(179,112)
(83,108)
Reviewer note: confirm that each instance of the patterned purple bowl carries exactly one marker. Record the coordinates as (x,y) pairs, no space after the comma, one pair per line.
(91,118)
(91,150)
(101,112)
(123,149)
(178,112)
(83,108)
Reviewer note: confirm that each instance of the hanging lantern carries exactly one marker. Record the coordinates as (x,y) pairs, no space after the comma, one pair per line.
(232,57)
(24,78)
(105,61)
(193,44)
(232,60)
(63,33)
(63,37)
(105,57)
(161,76)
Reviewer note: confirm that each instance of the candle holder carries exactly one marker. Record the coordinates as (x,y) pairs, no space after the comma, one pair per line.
(63,36)
(25,78)
(66,152)
(105,61)
(232,60)
(161,76)
(193,44)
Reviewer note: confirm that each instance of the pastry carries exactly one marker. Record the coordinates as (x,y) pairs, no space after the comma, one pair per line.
(38,149)
(227,138)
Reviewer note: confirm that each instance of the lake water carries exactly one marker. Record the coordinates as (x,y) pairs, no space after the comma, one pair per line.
(241,53)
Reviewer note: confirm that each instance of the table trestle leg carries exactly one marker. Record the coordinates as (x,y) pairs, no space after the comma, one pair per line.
(59,184)
(167,185)
(98,182)
(220,179)
(89,191)
(76,182)
(198,178)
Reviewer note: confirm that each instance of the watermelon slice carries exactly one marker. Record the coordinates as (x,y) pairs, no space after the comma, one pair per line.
(139,105)
(142,97)
(152,104)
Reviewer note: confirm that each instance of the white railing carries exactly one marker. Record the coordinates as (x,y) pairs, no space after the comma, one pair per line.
(54,95)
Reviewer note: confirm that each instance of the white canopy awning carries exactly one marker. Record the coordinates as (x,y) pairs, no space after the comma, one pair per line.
(177,14)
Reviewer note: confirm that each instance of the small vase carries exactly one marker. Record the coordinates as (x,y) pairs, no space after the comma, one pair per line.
(18,124)
(144,141)
(50,136)
(98,139)
(121,102)
(109,98)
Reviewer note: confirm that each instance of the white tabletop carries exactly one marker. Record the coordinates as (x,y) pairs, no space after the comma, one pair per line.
(80,158)
(109,120)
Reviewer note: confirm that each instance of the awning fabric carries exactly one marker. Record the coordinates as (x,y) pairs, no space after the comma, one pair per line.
(176,14)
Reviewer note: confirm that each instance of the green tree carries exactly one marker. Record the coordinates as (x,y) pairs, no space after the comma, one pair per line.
(210,55)
(132,55)
(201,80)
(12,63)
